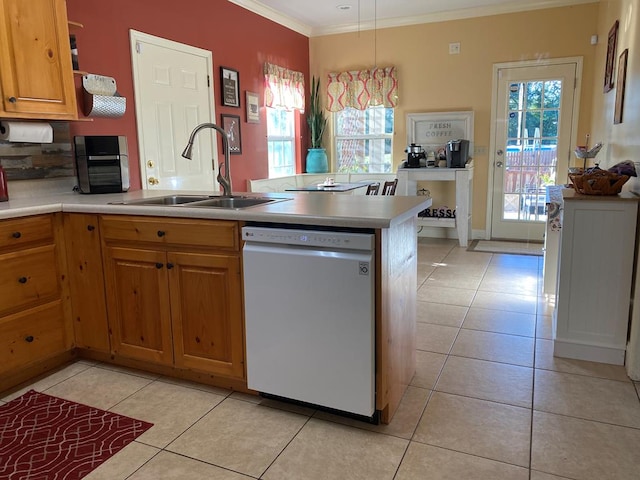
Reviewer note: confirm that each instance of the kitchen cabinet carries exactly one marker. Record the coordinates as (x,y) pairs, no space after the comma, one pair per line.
(138,304)
(34,320)
(174,292)
(86,281)
(595,270)
(36,75)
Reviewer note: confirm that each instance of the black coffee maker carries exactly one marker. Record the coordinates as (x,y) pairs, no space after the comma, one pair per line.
(457,153)
(414,154)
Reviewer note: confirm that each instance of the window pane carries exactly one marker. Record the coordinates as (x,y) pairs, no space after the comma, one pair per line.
(552,94)
(534,95)
(363,140)
(280,142)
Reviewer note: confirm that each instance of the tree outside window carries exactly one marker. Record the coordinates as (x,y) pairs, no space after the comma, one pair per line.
(363,140)
(280,142)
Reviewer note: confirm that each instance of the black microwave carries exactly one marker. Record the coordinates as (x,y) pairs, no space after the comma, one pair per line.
(102,163)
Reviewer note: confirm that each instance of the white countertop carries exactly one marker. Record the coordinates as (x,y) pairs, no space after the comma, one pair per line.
(363,211)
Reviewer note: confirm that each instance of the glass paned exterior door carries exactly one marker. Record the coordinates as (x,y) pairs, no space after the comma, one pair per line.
(534,119)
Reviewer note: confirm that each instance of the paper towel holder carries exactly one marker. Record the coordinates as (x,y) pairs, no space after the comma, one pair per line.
(100,97)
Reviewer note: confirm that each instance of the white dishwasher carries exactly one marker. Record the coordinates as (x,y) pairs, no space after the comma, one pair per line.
(309,313)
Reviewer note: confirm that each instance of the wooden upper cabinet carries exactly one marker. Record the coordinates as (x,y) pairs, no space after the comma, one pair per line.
(36,75)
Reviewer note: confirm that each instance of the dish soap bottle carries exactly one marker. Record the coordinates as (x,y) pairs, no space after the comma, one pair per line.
(4,192)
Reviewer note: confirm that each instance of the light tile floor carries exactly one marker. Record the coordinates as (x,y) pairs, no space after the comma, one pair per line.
(488,401)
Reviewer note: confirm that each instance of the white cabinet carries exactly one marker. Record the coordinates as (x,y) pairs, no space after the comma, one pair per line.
(463,177)
(595,273)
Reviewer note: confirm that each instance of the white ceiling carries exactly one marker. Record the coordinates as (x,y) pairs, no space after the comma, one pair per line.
(322,17)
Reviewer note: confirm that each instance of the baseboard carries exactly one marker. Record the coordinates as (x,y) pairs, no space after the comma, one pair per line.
(590,353)
(10,380)
(442,232)
(235,384)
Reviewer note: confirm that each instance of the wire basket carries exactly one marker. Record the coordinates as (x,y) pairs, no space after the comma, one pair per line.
(598,182)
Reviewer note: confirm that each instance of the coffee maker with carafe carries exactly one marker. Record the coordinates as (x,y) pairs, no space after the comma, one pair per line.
(414,154)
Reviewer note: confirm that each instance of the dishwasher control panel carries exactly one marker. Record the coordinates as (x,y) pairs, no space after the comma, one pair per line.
(311,238)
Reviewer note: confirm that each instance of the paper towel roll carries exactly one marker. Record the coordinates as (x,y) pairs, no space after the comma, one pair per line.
(28,132)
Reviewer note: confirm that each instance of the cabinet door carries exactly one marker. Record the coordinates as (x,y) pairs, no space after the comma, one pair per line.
(138,304)
(36,75)
(206,308)
(86,280)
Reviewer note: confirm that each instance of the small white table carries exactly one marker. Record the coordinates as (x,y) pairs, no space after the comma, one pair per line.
(408,179)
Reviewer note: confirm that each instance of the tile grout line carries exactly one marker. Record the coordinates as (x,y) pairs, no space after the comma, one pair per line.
(533,371)
(287,445)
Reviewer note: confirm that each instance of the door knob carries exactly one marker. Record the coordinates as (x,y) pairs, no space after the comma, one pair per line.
(499,164)
(153,181)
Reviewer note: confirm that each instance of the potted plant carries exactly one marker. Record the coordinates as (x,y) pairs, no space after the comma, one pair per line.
(316,155)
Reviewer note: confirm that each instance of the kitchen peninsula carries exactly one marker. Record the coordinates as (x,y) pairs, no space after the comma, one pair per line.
(187,260)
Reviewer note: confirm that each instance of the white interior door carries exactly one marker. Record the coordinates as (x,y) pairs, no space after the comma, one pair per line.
(173,86)
(535,122)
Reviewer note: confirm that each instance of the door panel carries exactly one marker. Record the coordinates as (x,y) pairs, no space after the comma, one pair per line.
(174,93)
(206,308)
(138,304)
(534,118)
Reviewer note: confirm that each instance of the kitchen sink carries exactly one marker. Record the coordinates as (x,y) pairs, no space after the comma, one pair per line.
(235,202)
(169,200)
(205,201)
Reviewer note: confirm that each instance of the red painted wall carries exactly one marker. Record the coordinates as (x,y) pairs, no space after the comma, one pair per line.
(237,38)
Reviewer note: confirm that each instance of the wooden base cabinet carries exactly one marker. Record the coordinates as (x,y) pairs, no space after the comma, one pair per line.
(174,292)
(206,303)
(138,304)
(86,280)
(34,313)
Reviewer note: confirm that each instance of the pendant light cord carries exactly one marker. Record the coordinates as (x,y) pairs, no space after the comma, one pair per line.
(375,33)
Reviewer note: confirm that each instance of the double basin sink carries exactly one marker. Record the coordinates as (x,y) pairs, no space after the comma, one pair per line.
(231,203)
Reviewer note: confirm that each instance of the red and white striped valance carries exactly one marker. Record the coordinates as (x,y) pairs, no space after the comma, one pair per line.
(283,88)
(362,89)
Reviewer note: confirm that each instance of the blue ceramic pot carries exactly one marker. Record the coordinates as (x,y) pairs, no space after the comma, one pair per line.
(317,161)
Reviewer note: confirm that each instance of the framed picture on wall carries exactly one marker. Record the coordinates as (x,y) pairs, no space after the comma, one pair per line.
(621,82)
(611,57)
(230,87)
(253,108)
(231,125)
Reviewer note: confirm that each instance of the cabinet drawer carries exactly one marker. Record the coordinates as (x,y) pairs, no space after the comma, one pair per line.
(32,335)
(171,231)
(21,231)
(28,276)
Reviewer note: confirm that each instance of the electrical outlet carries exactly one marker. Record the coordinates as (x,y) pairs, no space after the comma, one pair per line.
(454,48)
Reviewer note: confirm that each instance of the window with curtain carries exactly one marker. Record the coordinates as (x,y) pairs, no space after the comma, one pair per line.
(363,104)
(281,142)
(283,93)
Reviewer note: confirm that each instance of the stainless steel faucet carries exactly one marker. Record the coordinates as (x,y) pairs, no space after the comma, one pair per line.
(224,181)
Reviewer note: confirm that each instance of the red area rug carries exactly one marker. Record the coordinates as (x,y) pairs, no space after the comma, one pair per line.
(48,438)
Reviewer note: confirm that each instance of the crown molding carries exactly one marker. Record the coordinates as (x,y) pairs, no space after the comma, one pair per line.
(275,16)
(447,16)
(259,8)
